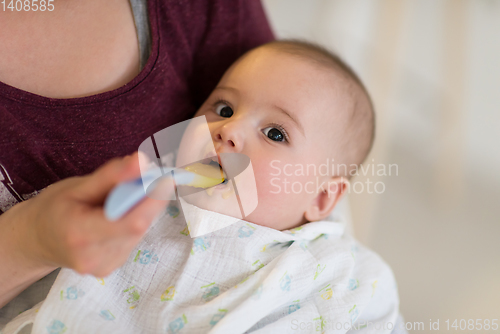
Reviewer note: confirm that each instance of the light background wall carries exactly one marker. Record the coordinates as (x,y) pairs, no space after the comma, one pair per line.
(433,69)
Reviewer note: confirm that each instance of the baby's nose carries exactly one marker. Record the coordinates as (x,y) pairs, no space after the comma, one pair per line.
(230,142)
(230,135)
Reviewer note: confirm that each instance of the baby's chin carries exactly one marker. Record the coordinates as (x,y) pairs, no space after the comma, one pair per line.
(221,199)
(275,219)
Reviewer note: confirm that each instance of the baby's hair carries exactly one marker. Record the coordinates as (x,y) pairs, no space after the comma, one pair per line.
(360,130)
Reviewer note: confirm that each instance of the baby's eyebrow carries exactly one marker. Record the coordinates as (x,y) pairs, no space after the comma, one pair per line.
(283,111)
(231,89)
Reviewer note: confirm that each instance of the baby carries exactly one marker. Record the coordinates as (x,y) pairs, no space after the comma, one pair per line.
(288,267)
(292,103)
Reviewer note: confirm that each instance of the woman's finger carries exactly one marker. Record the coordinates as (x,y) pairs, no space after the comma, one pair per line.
(94,188)
(141,216)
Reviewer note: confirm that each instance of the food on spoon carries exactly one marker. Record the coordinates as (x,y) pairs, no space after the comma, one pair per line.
(207,175)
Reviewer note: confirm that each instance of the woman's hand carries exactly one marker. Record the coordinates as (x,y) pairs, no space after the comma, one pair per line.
(65,226)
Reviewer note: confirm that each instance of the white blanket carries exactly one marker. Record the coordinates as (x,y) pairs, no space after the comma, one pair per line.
(242,278)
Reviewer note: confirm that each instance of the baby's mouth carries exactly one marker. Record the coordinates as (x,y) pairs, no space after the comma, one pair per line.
(209,173)
(213,162)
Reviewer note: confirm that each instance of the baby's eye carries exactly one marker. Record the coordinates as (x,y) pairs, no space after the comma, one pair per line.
(224,110)
(274,134)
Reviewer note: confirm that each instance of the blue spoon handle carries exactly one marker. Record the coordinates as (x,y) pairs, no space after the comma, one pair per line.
(128,194)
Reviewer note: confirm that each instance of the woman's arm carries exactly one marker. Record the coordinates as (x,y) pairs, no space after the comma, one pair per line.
(18,268)
(64,226)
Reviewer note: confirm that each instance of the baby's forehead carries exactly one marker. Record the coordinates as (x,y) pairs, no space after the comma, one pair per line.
(317,89)
(328,76)
(268,61)
(326,64)
(326,73)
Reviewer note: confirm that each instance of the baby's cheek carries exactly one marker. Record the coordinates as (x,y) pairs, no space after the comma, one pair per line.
(280,206)
(287,181)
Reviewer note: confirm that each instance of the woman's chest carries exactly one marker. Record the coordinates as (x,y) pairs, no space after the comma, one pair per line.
(78,49)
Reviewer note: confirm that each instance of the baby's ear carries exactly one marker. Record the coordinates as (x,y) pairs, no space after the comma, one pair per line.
(325,201)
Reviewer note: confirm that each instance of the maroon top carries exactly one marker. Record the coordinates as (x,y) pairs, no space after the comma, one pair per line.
(43,140)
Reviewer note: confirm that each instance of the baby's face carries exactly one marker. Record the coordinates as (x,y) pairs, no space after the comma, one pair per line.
(279,110)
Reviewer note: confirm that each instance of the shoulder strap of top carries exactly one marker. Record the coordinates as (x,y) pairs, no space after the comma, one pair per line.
(140,11)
